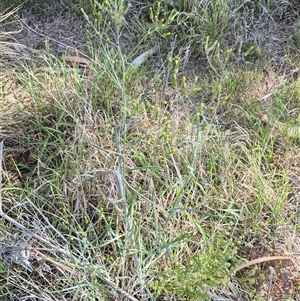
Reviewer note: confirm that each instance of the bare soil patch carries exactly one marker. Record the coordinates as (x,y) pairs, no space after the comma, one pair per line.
(26,36)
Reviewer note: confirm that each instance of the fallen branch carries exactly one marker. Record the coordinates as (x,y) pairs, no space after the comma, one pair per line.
(74,60)
(261,260)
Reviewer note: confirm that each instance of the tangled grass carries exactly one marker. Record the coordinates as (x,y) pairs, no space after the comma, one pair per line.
(154,180)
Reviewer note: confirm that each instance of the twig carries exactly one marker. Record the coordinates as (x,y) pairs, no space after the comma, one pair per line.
(260,260)
(74,60)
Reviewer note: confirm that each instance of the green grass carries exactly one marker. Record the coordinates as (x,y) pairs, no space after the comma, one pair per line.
(157,180)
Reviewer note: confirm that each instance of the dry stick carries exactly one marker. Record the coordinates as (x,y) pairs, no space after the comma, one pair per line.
(74,60)
(260,260)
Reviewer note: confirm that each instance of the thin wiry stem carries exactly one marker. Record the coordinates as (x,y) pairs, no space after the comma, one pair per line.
(27,200)
(33,235)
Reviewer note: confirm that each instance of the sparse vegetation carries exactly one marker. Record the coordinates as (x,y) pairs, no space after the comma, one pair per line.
(154,178)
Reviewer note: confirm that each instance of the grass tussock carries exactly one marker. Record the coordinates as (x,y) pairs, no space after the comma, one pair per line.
(151,180)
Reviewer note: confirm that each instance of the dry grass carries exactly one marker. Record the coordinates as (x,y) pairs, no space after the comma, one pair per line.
(154,181)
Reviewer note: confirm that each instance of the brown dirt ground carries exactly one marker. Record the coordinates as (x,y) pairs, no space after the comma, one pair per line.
(26,36)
